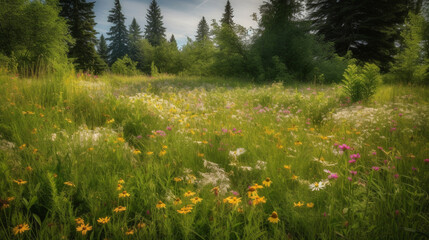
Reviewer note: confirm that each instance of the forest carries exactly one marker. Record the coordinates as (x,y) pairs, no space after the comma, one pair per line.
(312,125)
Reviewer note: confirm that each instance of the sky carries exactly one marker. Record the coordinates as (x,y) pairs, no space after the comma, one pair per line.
(180,17)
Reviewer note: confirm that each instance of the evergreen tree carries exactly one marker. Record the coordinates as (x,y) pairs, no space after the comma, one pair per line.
(173,41)
(102,49)
(203,30)
(154,30)
(118,33)
(228,15)
(369,29)
(134,37)
(80,18)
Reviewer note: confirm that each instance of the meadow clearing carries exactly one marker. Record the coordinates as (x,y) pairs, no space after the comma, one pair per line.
(113,157)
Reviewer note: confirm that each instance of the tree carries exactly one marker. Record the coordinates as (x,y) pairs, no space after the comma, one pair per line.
(102,49)
(134,36)
(203,30)
(80,18)
(33,33)
(369,29)
(173,41)
(154,29)
(118,33)
(228,15)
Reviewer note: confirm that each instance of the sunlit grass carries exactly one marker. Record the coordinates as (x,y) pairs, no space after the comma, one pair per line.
(212,158)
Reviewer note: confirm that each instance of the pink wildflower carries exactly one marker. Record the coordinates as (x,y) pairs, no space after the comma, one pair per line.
(333,176)
(376,168)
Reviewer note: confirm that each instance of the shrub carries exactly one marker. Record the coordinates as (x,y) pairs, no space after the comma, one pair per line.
(125,66)
(361,83)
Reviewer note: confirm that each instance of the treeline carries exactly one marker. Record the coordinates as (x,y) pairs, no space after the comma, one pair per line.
(394,35)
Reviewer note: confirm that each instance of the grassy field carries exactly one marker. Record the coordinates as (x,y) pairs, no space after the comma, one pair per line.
(188,158)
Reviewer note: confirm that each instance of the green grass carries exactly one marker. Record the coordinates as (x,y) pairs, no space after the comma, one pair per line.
(93,131)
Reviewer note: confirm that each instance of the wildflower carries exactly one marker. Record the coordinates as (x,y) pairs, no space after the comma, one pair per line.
(177,179)
(317,186)
(215,191)
(427,160)
(196,200)
(119,209)
(160,205)
(35,151)
(310,205)
(119,188)
(294,177)
(141,225)
(149,153)
(129,232)
(189,194)
(349,178)
(191,178)
(353,172)
(79,221)
(68,120)
(256,186)
(375,168)
(200,154)
(21,228)
(298,204)
(352,160)
(396,176)
(232,200)
(252,192)
(22,146)
(84,228)
(90,149)
(287,167)
(121,181)
(110,121)
(34,131)
(177,201)
(344,147)
(20,181)
(164,147)
(68,183)
(29,168)
(333,176)
(274,218)
(298,143)
(237,152)
(185,210)
(124,194)
(257,200)
(121,139)
(267,182)
(136,152)
(162,153)
(103,220)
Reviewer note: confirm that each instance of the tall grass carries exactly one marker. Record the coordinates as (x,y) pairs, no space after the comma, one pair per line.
(80,141)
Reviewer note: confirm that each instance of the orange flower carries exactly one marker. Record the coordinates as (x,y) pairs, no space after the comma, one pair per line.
(21,228)
(189,194)
(120,209)
(103,220)
(84,228)
(274,218)
(298,204)
(79,221)
(20,181)
(160,205)
(69,184)
(196,200)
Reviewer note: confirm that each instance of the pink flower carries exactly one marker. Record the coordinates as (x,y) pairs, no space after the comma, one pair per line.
(427,160)
(349,178)
(344,147)
(396,176)
(393,129)
(169,128)
(355,156)
(352,161)
(224,130)
(375,168)
(333,176)
(235,193)
(414,169)
(353,172)
(380,148)
(374,153)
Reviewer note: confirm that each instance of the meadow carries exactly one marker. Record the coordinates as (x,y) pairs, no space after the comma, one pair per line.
(170,157)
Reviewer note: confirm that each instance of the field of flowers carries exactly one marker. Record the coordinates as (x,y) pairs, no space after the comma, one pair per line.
(187,158)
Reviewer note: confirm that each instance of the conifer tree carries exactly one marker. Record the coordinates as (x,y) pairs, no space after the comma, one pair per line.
(80,18)
(202,31)
(102,49)
(228,15)
(173,41)
(134,37)
(154,30)
(118,33)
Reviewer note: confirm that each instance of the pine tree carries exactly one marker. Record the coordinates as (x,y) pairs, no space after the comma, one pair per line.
(173,41)
(134,37)
(202,31)
(228,15)
(154,30)
(369,29)
(80,18)
(118,33)
(102,49)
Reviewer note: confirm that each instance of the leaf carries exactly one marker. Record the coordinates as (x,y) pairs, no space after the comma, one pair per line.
(37,218)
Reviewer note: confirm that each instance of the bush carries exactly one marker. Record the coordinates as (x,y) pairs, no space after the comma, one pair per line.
(361,83)
(125,66)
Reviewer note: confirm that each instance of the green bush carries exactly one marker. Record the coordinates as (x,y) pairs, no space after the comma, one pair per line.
(125,66)
(360,83)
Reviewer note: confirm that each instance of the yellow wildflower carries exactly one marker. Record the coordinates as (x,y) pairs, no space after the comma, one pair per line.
(310,205)
(177,201)
(177,179)
(103,220)
(287,167)
(79,221)
(298,143)
(84,228)
(68,183)
(162,153)
(129,232)
(20,181)
(21,228)
(149,153)
(196,200)
(257,200)
(136,152)
(160,205)
(298,204)
(294,177)
(267,182)
(189,194)
(120,209)
(274,218)
(124,194)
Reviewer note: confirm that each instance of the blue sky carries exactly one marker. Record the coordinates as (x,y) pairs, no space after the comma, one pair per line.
(181,17)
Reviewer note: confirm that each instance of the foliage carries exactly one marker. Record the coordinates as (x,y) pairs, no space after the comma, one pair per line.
(154,70)
(199,57)
(360,83)
(203,30)
(135,35)
(350,26)
(410,65)
(34,36)
(154,29)
(124,66)
(118,34)
(228,15)
(102,49)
